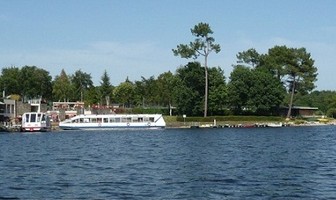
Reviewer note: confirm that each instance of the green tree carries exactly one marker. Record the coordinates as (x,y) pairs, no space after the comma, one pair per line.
(189,81)
(140,92)
(203,45)
(301,74)
(9,82)
(239,88)
(151,95)
(250,57)
(124,93)
(187,100)
(254,91)
(81,82)
(323,100)
(35,82)
(166,83)
(331,112)
(62,88)
(266,93)
(105,89)
(218,96)
(295,67)
(92,96)
(276,60)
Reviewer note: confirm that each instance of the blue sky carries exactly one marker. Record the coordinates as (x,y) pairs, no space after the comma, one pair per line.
(134,38)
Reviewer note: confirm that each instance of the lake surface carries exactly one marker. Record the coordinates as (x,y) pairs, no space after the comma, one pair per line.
(227,163)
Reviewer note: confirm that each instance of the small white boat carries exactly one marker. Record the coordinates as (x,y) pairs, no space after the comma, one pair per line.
(35,121)
(113,121)
(274,125)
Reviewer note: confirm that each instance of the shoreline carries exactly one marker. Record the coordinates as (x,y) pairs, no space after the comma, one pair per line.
(197,125)
(245,124)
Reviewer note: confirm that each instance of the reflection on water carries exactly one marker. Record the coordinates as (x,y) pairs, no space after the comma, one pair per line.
(232,163)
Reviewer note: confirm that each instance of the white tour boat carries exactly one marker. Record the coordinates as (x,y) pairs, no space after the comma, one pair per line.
(112,121)
(35,121)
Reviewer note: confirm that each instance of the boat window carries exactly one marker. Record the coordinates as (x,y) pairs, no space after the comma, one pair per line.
(33,117)
(86,120)
(123,119)
(105,120)
(27,117)
(99,120)
(129,119)
(140,119)
(151,119)
(43,118)
(93,120)
(117,119)
(134,119)
(81,120)
(38,117)
(146,119)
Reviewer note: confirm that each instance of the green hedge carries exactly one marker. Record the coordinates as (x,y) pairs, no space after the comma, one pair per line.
(229,118)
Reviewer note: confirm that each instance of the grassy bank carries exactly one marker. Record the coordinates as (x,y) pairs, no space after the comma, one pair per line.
(178,121)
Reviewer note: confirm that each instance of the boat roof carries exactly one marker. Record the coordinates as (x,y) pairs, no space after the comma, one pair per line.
(117,115)
(34,113)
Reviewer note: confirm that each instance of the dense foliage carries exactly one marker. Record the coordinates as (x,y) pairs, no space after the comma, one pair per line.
(254,91)
(28,82)
(259,84)
(203,45)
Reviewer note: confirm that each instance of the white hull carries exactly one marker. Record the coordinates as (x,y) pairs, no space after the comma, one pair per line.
(35,121)
(274,125)
(37,128)
(102,122)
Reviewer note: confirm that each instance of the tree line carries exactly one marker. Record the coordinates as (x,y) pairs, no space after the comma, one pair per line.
(259,84)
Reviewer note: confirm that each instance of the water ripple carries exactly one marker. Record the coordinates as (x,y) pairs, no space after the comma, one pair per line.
(286,163)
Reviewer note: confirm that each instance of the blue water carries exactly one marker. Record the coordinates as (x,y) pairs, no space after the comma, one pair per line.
(228,163)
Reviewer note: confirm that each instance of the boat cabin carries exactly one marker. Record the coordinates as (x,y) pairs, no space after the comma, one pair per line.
(35,121)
